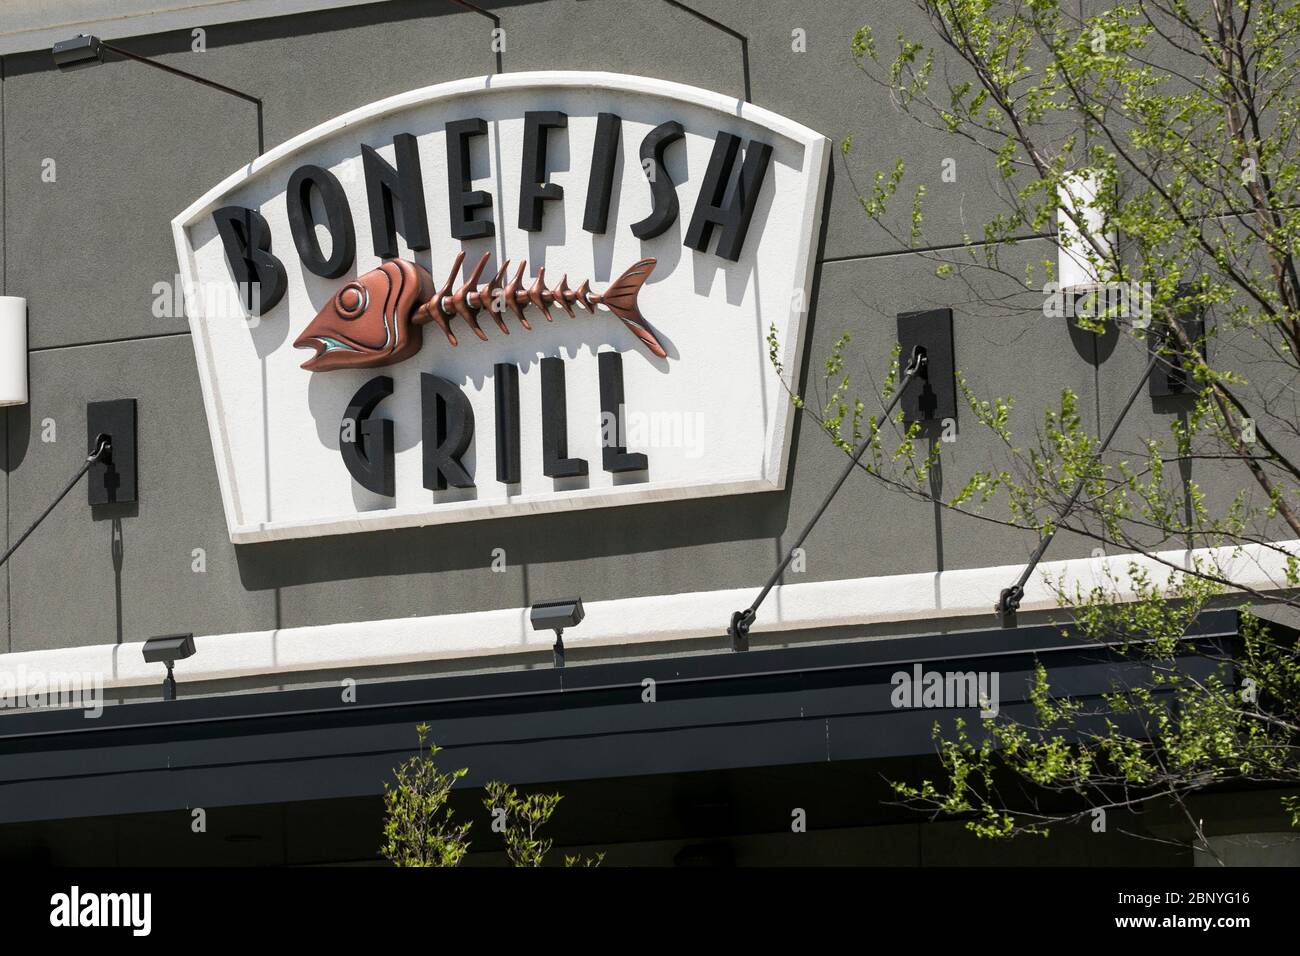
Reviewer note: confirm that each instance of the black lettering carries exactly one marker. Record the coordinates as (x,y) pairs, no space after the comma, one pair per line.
(365,443)
(615,456)
(338,221)
(733,217)
(555,425)
(247,240)
(663,190)
(506,381)
(404,183)
(464,200)
(448,428)
(601,183)
(533,187)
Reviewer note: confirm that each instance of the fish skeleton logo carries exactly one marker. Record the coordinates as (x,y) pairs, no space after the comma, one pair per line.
(378,319)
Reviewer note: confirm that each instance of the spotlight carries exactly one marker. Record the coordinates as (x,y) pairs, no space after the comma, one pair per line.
(169,649)
(556,616)
(81,50)
(1081,266)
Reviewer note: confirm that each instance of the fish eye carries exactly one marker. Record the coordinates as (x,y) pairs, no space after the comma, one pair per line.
(351,300)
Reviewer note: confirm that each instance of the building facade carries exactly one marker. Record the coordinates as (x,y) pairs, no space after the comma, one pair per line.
(187,251)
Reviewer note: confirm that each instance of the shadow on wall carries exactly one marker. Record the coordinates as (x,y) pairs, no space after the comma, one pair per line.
(18,433)
(1090,346)
(533,539)
(275,28)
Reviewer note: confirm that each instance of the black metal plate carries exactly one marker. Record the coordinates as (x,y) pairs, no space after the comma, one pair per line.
(112,483)
(934,397)
(1169,378)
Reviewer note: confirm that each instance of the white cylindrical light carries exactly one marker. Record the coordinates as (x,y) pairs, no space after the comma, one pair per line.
(13,350)
(1075,255)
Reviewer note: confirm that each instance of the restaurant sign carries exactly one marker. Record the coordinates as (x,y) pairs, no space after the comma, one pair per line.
(401,352)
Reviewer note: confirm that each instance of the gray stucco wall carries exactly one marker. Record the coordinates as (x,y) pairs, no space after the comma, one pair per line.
(134,146)
(4,417)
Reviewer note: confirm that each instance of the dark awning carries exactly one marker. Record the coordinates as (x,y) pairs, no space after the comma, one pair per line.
(725,710)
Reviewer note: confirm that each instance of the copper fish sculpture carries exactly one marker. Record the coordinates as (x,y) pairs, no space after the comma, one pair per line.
(377,319)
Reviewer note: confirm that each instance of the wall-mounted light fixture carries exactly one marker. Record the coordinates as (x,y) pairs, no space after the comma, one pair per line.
(1080,267)
(13,350)
(556,616)
(169,649)
(81,50)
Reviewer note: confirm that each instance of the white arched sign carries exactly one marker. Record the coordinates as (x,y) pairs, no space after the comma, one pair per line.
(669,238)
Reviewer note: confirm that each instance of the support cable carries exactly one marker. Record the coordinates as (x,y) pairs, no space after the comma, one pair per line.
(103,452)
(744,41)
(741,621)
(230,91)
(1010,598)
(496,22)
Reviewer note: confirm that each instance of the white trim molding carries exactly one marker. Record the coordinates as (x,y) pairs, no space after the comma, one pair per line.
(671,617)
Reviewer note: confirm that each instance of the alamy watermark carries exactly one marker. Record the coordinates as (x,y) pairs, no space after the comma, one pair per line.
(948,690)
(1109,300)
(219,300)
(24,689)
(77,908)
(654,429)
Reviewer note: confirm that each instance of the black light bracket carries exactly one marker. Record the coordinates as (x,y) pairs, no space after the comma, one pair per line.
(557,649)
(1171,382)
(742,621)
(934,401)
(112,478)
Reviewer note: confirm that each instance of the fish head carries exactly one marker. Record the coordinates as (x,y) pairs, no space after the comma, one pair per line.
(368,322)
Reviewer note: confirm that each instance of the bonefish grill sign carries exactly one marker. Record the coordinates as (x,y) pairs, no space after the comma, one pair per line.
(502,296)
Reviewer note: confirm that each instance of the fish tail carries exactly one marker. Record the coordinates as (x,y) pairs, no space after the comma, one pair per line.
(620,298)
